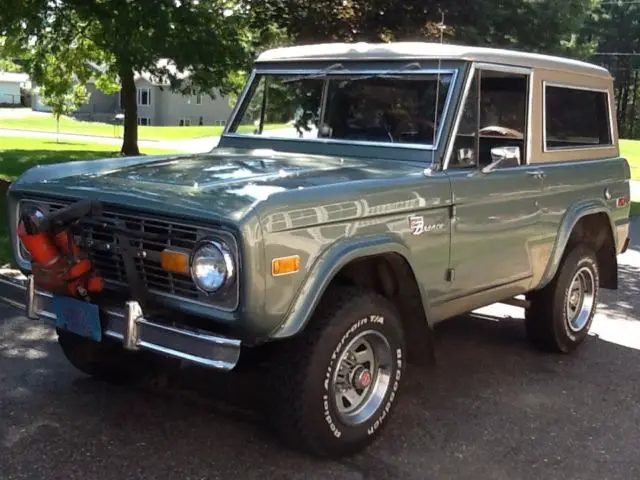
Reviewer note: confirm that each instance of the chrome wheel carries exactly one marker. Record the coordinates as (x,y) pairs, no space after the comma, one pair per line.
(362,377)
(580,299)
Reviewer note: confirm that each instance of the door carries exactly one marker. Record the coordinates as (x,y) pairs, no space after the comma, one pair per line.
(495,192)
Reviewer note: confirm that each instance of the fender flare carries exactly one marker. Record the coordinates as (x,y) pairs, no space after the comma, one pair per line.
(327,266)
(571,218)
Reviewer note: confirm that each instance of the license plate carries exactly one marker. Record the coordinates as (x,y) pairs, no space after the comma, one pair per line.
(76,316)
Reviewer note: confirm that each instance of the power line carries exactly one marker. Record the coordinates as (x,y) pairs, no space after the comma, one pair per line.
(615,54)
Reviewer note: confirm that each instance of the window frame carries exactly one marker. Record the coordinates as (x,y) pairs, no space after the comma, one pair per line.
(147,118)
(528,144)
(453,72)
(568,86)
(198,99)
(139,96)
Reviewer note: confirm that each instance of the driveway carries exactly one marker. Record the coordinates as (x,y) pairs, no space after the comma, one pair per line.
(490,408)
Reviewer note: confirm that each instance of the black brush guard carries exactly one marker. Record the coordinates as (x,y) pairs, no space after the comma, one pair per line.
(88,212)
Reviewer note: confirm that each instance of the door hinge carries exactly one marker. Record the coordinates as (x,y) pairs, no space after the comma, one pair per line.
(451,274)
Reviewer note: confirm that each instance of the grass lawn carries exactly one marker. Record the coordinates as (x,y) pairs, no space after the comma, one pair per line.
(46,123)
(630,149)
(17,154)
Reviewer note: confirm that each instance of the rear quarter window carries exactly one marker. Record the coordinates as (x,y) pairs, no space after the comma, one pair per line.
(576,118)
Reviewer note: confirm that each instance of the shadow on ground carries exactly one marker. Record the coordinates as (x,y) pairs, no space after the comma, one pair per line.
(491,408)
(624,303)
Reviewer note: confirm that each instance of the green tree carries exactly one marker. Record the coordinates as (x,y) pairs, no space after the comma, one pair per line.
(613,31)
(536,25)
(7,65)
(63,101)
(205,42)
(7,62)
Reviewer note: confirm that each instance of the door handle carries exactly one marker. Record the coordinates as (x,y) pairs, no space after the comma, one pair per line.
(536,173)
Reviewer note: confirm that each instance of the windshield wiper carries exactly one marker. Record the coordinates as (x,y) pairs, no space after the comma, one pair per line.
(339,66)
(320,74)
(388,73)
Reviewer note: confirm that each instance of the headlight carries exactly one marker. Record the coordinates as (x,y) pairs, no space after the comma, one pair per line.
(211,266)
(30,216)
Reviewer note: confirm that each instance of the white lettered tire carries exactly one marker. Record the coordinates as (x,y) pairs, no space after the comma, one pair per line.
(337,384)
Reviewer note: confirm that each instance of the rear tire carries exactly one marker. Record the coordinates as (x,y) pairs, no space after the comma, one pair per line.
(336,384)
(561,314)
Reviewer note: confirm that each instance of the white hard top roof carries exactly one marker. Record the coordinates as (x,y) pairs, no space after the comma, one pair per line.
(427,51)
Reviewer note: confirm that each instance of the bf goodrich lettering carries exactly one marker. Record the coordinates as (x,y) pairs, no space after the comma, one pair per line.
(375,319)
(329,420)
(372,429)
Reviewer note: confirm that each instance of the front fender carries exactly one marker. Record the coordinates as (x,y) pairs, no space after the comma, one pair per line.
(327,267)
(569,221)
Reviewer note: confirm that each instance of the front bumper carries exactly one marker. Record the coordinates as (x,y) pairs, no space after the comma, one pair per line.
(136,332)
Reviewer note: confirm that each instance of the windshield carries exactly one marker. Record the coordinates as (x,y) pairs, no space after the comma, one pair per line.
(380,108)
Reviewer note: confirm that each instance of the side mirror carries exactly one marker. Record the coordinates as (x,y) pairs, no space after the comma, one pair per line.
(503,157)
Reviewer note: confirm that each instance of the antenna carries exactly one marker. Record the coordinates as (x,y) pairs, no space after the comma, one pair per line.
(441,26)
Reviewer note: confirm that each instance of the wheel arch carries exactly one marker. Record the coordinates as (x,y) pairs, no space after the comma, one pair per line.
(350,262)
(588,223)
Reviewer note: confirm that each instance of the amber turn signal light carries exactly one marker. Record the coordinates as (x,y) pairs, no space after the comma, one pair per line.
(174,262)
(284,265)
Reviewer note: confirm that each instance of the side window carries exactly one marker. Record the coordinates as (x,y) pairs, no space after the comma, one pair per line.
(576,118)
(493,122)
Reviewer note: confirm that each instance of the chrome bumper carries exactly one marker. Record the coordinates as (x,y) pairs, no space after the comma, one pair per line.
(134,330)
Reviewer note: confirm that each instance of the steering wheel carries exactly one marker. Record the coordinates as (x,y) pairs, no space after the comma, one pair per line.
(502,131)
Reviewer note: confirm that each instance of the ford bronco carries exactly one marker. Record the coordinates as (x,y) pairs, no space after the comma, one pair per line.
(360,194)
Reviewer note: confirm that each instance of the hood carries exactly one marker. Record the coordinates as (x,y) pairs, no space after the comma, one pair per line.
(225,184)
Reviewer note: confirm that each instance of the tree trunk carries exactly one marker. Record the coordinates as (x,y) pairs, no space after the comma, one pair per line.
(129,104)
(57,128)
(623,108)
(632,119)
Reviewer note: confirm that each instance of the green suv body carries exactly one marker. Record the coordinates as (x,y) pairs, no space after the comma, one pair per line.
(359,195)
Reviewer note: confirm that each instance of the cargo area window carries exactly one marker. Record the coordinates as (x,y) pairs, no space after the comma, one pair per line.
(493,121)
(576,118)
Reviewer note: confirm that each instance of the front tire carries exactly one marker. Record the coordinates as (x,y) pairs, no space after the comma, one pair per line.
(561,314)
(106,361)
(338,382)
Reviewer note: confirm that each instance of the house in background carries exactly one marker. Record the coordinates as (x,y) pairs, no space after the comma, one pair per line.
(11,85)
(157,105)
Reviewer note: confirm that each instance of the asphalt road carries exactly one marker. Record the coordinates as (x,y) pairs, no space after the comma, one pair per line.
(490,408)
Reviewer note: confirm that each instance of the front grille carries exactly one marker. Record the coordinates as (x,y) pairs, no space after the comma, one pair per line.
(102,244)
